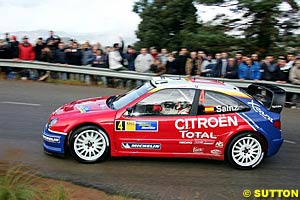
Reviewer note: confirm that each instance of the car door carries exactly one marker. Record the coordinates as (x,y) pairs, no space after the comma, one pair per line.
(217,118)
(149,126)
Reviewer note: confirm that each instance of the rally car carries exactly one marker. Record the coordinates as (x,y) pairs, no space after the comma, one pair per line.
(172,117)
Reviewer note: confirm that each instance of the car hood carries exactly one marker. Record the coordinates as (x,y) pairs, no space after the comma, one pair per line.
(97,104)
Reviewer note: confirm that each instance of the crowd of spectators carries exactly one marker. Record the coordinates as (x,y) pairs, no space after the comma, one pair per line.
(283,69)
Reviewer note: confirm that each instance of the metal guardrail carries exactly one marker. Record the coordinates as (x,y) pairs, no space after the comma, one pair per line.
(126,74)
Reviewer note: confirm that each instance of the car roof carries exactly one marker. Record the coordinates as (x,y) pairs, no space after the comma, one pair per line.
(197,83)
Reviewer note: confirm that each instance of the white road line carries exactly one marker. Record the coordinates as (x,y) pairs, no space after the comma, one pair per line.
(20,103)
(289,142)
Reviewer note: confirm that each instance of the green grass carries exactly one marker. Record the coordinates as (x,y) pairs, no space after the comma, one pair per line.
(19,184)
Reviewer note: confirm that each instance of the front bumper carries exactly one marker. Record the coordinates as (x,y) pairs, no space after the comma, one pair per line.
(53,142)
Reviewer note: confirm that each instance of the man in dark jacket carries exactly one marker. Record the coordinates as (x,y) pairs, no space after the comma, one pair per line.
(130,56)
(270,69)
(232,69)
(220,69)
(74,55)
(13,47)
(38,48)
(60,54)
(180,62)
(3,50)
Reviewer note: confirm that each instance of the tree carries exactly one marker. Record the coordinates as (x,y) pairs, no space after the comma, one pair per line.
(264,23)
(164,21)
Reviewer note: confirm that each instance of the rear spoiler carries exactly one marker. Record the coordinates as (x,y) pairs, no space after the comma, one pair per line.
(271,96)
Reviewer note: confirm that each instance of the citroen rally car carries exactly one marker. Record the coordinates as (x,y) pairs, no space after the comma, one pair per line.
(172,117)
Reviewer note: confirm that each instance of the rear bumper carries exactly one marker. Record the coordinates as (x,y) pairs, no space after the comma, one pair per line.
(274,146)
(54,143)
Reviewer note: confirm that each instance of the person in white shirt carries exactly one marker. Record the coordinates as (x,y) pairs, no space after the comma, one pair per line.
(143,61)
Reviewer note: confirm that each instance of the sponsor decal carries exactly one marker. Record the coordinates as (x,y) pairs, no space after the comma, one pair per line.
(83,108)
(198,135)
(276,106)
(123,125)
(185,142)
(126,145)
(198,150)
(204,141)
(257,109)
(52,139)
(226,108)
(210,122)
(219,144)
(216,152)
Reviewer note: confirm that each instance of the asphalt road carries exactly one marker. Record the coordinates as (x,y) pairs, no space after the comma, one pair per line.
(25,107)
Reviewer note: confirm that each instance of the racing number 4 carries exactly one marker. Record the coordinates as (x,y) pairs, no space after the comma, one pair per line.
(120,125)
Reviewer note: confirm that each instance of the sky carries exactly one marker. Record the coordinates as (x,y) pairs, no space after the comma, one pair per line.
(72,16)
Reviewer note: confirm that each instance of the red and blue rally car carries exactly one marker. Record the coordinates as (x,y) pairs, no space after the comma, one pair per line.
(172,117)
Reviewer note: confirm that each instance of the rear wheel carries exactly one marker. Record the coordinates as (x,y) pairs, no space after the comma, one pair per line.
(245,151)
(89,144)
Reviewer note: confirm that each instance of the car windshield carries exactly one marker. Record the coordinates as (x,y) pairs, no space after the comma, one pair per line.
(123,100)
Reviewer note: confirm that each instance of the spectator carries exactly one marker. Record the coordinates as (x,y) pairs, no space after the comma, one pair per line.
(207,66)
(283,75)
(270,69)
(130,56)
(193,65)
(26,52)
(87,54)
(291,59)
(249,70)
(47,55)
(295,72)
(220,70)
(143,61)
(115,58)
(238,58)
(100,61)
(232,69)
(153,52)
(170,65)
(51,37)
(180,61)
(295,78)
(3,50)
(38,48)
(60,54)
(157,67)
(254,58)
(6,39)
(13,47)
(60,57)
(74,55)
(163,56)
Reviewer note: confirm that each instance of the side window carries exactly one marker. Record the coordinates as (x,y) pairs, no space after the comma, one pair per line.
(165,102)
(215,102)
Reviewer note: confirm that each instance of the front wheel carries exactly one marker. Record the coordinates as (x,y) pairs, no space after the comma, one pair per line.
(245,151)
(89,144)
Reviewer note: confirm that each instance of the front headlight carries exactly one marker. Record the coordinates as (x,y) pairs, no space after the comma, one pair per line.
(52,122)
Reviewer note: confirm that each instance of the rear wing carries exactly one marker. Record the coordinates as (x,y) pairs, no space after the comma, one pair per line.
(271,96)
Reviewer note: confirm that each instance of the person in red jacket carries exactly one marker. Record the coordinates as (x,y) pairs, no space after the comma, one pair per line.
(26,52)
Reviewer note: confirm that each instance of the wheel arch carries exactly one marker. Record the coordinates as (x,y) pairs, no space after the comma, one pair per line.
(78,126)
(257,134)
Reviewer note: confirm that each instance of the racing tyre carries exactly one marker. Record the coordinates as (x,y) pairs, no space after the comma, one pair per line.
(89,144)
(245,151)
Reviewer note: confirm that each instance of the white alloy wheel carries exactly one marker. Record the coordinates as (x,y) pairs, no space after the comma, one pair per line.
(89,144)
(247,151)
